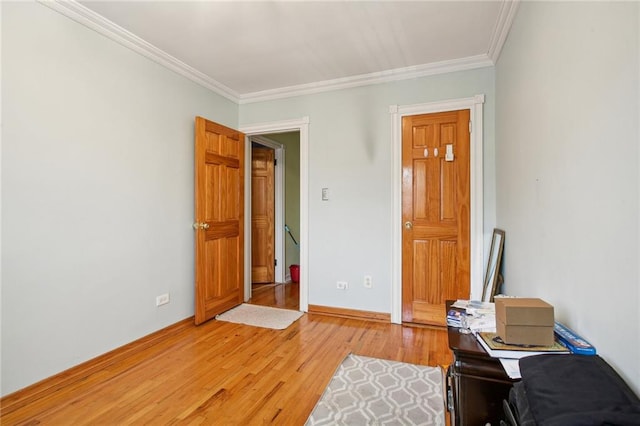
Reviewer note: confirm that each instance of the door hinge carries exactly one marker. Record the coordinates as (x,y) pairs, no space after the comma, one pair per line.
(470,126)
(275,262)
(275,161)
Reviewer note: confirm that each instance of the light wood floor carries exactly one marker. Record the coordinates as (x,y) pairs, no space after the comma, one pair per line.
(220,373)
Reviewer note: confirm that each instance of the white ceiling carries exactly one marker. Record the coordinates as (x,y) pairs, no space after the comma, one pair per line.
(257,50)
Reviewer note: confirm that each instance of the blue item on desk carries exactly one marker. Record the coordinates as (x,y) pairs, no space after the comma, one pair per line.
(573,341)
(453,318)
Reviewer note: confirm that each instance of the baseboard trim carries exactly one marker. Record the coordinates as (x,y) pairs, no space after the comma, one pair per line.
(41,389)
(349,313)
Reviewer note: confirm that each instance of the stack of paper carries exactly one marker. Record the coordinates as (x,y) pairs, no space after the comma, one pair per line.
(481,316)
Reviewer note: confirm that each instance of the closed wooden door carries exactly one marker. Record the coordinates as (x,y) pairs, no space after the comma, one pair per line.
(435,214)
(262,215)
(219,219)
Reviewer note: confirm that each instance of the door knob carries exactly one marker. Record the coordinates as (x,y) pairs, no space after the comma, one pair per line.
(199,225)
(408,225)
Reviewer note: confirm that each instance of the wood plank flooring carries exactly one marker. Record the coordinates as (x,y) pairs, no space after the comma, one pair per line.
(222,373)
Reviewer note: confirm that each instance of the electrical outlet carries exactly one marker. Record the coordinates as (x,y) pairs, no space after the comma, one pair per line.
(163,299)
(368,283)
(342,285)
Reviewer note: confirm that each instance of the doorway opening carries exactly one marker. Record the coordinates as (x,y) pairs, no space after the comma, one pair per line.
(275,219)
(291,203)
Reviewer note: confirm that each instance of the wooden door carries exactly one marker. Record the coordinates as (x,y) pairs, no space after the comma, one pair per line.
(435,214)
(262,215)
(219,214)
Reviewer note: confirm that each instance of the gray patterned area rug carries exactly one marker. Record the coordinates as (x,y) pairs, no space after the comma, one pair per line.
(370,391)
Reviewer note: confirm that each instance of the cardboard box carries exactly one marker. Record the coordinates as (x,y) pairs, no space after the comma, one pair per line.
(524,321)
(525,335)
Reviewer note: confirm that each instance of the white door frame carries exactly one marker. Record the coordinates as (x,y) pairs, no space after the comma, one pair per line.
(297,125)
(279,203)
(475,107)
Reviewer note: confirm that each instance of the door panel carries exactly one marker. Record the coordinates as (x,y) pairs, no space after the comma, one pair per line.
(219,219)
(262,215)
(435,211)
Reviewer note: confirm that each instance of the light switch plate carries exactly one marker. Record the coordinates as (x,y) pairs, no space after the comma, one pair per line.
(325,194)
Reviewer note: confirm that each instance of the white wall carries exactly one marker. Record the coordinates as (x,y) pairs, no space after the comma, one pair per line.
(97,193)
(567,136)
(350,153)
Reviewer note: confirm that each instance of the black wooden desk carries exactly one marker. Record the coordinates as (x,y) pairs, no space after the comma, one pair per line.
(476,383)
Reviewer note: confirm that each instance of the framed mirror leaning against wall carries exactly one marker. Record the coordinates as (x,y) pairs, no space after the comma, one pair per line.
(493,277)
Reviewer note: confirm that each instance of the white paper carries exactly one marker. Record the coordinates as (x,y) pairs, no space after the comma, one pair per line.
(511,367)
(472,306)
(481,316)
(485,322)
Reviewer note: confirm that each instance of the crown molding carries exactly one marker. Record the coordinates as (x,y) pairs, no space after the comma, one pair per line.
(90,19)
(85,16)
(443,67)
(508,10)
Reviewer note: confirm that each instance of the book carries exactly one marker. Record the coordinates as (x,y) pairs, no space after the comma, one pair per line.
(453,318)
(496,349)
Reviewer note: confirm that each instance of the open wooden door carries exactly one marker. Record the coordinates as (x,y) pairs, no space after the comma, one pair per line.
(219,219)
(435,214)
(262,215)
